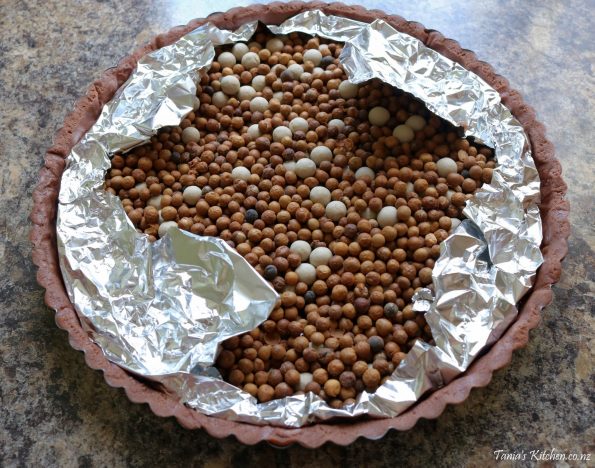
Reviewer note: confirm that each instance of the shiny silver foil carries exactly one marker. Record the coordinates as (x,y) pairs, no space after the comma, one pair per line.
(154,308)
(160,310)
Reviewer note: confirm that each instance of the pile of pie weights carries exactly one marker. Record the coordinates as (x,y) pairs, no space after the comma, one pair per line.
(338,194)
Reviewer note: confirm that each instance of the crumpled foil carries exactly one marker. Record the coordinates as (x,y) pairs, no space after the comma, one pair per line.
(160,310)
(163,307)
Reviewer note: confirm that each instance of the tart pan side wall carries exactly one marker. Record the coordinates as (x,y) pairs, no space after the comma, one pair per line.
(554,212)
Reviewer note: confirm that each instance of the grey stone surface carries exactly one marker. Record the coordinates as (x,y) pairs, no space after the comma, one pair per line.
(58,412)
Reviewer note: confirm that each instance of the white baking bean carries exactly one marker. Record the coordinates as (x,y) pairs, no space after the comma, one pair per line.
(298,124)
(312,55)
(259,104)
(259,82)
(348,90)
(365,171)
(378,116)
(335,210)
(190,134)
(403,133)
(320,195)
(226,59)
(191,195)
(446,166)
(250,60)
(338,123)
(239,50)
(387,216)
(240,172)
(416,122)
(230,85)
(219,99)
(302,248)
(305,168)
(165,227)
(275,44)
(306,273)
(295,70)
(320,256)
(320,154)
(281,132)
(253,131)
(246,93)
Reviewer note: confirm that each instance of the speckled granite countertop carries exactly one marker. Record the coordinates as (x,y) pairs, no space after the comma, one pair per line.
(58,412)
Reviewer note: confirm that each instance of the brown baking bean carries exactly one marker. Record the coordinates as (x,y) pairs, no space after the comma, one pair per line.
(362,305)
(283,390)
(363,350)
(169,213)
(226,359)
(347,379)
(278,351)
(300,343)
(371,378)
(403,213)
(236,377)
(274,377)
(381,364)
(458,199)
(411,328)
(231,343)
(264,352)
(364,322)
(384,327)
(359,368)
(339,292)
(246,366)
(332,387)
(335,367)
(317,338)
(251,388)
(310,355)
(346,340)
(348,356)
(469,186)
(323,324)
(313,387)
(301,365)
(320,376)
(265,393)
(292,377)
(348,396)
(425,276)
(331,343)
(291,356)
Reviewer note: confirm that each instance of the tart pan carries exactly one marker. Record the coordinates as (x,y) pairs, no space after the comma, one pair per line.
(554,211)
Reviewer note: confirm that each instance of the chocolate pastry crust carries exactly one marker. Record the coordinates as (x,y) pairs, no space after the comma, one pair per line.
(554,211)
